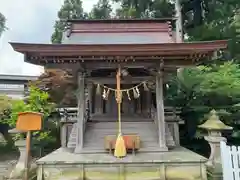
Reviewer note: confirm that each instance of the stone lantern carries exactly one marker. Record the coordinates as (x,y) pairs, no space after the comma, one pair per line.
(18,171)
(214,128)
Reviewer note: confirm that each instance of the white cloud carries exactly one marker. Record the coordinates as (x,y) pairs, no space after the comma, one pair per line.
(28,21)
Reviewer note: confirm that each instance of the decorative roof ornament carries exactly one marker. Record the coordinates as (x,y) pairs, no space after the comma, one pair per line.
(214,123)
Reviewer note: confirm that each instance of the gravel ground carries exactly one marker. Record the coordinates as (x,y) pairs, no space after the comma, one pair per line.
(7,162)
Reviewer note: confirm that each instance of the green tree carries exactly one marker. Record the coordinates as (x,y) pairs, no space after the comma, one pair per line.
(217,19)
(5,104)
(223,80)
(2,23)
(71,9)
(201,89)
(38,101)
(101,10)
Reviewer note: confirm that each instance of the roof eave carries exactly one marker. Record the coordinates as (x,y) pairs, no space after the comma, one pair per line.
(35,48)
(137,20)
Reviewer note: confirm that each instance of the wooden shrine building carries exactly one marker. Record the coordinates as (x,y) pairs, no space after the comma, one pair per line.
(146,51)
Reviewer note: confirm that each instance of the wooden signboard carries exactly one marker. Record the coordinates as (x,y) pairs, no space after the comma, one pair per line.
(29,121)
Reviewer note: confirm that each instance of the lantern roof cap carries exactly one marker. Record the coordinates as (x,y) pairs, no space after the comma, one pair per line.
(214,123)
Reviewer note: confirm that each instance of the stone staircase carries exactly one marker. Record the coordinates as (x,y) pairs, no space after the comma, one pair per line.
(100,126)
(96,131)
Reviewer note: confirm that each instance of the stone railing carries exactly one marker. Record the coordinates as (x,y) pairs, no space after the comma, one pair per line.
(172,125)
(68,119)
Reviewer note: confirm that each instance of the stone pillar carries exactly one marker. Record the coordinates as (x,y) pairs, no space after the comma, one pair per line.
(176,133)
(214,139)
(63,134)
(160,112)
(214,163)
(81,112)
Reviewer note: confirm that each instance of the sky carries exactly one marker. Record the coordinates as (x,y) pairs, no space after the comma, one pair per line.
(28,21)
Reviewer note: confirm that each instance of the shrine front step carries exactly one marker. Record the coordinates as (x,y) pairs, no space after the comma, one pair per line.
(179,164)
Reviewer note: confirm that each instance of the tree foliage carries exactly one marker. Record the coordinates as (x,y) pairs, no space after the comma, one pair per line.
(144,9)
(5,104)
(37,101)
(2,23)
(60,86)
(223,80)
(217,19)
(101,10)
(71,9)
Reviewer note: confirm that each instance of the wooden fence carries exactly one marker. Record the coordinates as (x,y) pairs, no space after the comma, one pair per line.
(230,161)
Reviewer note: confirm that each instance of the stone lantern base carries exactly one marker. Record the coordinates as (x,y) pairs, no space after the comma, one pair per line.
(19,169)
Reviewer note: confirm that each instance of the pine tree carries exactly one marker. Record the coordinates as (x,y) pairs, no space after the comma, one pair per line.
(71,9)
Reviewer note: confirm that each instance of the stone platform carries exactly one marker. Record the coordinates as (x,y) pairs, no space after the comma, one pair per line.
(177,164)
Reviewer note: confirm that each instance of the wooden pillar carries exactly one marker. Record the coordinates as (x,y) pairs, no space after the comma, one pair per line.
(160,112)
(81,112)
(108,102)
(108,105)
(147,103)
(98,103)
(90,98)
(138,105)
